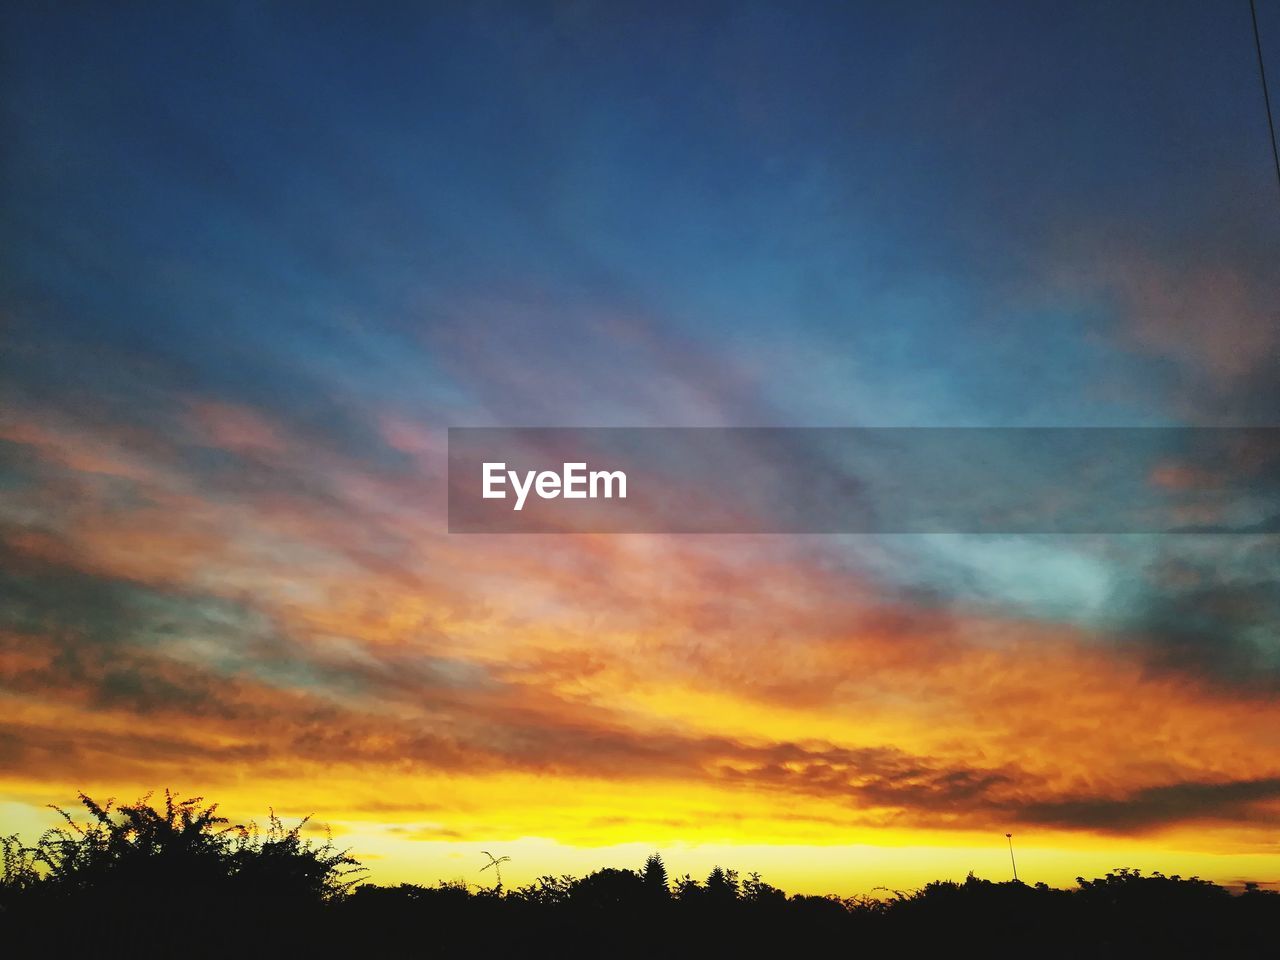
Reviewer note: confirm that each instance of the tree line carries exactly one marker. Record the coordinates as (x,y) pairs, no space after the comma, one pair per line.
(174,878)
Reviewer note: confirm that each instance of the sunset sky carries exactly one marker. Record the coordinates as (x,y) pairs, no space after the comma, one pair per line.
(258,258)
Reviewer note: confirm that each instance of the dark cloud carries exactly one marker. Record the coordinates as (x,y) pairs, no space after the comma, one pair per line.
(874,777)
(82,753)
(1161,806)
(1211,617)
(71,608)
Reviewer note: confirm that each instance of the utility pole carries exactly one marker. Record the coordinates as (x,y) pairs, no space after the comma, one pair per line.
(1009,837)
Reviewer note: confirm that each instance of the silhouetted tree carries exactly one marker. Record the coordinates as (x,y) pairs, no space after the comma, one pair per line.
(655,876)
(756,891)
(721,885)
(687,888)
(546,891)
(608,889)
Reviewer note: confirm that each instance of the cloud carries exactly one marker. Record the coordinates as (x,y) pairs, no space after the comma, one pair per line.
(1207,609)
(281,611)
(1161,806)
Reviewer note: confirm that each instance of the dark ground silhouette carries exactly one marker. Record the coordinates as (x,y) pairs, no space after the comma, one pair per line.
(175,880)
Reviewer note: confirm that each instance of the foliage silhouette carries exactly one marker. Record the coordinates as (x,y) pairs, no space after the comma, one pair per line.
(178,879)
(655,879)
(171,875)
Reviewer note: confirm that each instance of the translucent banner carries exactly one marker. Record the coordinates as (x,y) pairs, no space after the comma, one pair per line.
(864,480)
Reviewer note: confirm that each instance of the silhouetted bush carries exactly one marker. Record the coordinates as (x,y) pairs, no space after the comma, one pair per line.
(171,877)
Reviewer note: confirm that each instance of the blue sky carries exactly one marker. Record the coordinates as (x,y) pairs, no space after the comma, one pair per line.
(852,214)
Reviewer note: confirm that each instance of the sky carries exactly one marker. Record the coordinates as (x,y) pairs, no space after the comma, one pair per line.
(259,257)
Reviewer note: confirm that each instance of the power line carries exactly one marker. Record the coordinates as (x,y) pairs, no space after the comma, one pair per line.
(1266,96)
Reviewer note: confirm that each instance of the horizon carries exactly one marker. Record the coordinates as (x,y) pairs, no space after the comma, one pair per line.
(633,856)
(260,260)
